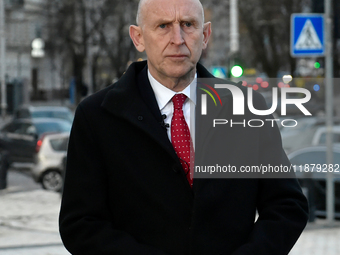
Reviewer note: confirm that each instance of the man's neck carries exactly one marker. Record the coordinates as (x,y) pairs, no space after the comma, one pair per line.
(175,84)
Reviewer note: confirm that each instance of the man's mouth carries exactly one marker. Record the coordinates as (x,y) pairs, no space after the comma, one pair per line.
(177,56)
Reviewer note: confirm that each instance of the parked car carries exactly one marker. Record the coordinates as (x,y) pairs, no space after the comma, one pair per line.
(309,131)
(49,161)
(21,137)
(28,111)
(315,180)
(313,136)
(303,124)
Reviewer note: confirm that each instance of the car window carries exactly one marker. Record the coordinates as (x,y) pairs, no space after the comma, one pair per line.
(53,114)
(299,140)
(31,130)
(8,128)
(59,144)
(22,128)
(22,113)
(313,157)
(63,115)
(41,114)
(45,127)
(323,137)
(17,128)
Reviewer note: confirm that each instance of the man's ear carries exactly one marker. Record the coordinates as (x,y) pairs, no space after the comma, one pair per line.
(137,37)
(206,34)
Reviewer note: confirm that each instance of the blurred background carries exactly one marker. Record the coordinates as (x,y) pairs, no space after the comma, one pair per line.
(65,50)
(54,53)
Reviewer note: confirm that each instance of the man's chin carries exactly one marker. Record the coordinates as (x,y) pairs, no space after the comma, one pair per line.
(180,71)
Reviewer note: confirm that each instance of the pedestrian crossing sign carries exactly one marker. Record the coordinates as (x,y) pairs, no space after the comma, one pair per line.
(307,35)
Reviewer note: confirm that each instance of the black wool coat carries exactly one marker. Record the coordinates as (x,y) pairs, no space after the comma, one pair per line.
(125,191)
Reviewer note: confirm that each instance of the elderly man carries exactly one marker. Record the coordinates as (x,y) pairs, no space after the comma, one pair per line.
(128,185)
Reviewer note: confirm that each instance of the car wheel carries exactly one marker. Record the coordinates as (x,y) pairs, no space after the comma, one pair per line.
(52,180)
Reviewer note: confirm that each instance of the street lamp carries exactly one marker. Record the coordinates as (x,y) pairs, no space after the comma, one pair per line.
(38,46)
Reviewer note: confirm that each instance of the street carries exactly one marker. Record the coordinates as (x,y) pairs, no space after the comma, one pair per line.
(20,180)
(29,218)
(29,223)
(130,97)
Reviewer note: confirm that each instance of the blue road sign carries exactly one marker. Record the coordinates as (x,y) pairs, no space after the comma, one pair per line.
(219,71)
(307,35)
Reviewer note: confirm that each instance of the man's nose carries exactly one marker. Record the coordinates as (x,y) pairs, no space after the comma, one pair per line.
(177,36)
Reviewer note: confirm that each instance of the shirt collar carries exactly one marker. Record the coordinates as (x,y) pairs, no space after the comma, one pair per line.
(164,95)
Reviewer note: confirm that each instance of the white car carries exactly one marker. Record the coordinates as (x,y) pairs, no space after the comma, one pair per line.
(310,164)
(310,135)
(49,161)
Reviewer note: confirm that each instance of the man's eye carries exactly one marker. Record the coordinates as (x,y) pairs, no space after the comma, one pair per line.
(188,24)
(162,26)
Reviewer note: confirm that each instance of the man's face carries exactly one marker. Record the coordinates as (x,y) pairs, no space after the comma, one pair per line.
(172,34)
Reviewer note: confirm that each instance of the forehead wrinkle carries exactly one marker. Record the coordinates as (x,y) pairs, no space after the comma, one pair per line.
(188,12)
(194,4)
(176,15)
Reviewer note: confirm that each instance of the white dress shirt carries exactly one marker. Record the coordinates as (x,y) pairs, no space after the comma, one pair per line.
(164,96)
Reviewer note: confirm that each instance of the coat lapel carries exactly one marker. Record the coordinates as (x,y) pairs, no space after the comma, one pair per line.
(133,99)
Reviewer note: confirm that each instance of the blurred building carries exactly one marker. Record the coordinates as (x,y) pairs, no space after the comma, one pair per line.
(217,53)
(24,22)
(105,53)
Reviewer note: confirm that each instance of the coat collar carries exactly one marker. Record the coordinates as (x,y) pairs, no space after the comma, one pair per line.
(132,99)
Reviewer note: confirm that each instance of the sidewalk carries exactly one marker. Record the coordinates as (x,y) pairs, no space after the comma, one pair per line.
(29,223)
(28,226)
(317,239)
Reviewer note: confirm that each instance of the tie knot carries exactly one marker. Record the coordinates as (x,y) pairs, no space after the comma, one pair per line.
(178,100)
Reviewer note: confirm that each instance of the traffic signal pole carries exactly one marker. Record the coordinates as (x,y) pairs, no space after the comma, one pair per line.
(329,111)
(3,59)
(234,34)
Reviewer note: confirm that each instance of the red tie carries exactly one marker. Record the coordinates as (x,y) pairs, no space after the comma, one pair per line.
(180,137)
